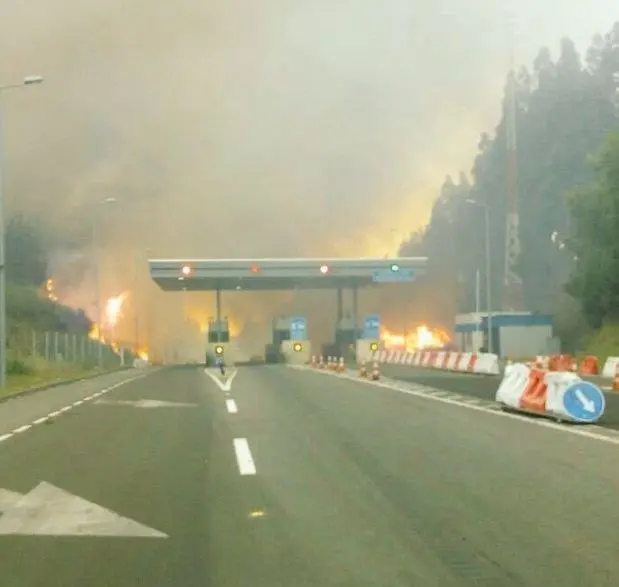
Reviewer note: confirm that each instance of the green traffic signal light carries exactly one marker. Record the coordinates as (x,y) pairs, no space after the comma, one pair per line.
(395,267)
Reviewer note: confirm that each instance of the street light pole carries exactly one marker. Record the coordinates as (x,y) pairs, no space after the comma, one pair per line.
(96,245)
(486,208)
(136,318)
(27,81)
(488,279)
(96,260)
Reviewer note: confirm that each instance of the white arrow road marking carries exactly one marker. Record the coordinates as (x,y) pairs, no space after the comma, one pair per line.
(243,457)
(49,511)
(8,499)
(587,404)
(226,384)
(144,403)
(231,406)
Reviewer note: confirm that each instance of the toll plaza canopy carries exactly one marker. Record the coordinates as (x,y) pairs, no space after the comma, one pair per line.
(282,274)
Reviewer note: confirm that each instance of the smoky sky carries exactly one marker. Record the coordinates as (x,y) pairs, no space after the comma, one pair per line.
(254,128)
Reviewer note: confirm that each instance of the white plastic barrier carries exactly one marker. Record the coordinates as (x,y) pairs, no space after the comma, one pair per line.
(610,367)
(562,395)
(487,364)
(479,363)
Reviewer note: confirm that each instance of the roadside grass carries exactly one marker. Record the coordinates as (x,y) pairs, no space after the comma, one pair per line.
(22,375)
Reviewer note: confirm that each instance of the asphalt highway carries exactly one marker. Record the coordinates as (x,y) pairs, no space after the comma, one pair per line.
(288,478)
(484,386)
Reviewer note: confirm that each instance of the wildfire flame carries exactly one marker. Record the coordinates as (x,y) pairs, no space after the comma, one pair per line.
(112,314)
(50,290)
(421,338)
(113,309)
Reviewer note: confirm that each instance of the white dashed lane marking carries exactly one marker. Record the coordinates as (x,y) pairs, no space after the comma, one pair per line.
(243,457)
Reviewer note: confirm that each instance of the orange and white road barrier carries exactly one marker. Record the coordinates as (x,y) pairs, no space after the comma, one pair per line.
(341,366)
(478,363)
(590,365)
(561,395)
(321,363)
(616,379)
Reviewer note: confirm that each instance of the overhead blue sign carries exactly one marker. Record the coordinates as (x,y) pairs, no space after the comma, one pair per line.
(393,274)
(298,328)
(584,402)
(371,327)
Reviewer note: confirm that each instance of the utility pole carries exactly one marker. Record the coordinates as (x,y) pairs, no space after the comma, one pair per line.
(96,247)
(27,81)
(136,316)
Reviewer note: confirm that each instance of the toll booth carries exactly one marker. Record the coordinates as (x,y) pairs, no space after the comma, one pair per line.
(218,341)
(281,330)
(296,352)
(365,349)
(290,340)
(218,330)
(346,336)
(369,341)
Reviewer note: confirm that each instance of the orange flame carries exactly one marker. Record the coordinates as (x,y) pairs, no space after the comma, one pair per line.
(421,338)
(50,290)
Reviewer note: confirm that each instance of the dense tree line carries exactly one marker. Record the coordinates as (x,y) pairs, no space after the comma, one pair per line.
(26,270)
(565,107)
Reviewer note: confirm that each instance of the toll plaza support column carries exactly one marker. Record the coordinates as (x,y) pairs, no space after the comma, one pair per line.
(340,306)
(218,313)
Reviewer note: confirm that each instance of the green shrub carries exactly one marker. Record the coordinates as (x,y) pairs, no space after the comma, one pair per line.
(19,367)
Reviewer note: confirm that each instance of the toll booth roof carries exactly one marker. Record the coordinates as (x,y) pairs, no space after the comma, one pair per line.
(283,273)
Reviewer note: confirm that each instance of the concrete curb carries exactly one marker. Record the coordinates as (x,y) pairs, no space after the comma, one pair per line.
(56,383)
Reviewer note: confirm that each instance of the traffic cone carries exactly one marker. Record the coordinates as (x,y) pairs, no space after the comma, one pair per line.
(375,372)
(321,363)
(341,366)
(363,370)
(616,379)
(313,361)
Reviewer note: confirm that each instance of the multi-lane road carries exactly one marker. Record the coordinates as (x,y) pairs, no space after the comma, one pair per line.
(286,477)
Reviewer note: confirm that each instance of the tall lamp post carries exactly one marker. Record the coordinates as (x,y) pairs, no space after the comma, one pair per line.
(96,244)
(139,256)
(27,81)
(486,209)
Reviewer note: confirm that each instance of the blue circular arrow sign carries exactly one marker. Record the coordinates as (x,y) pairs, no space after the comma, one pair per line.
(584,402)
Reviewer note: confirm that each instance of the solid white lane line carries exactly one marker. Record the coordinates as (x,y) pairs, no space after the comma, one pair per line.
(243,457)
(69,407)
(22,428)
(604,434)
(232,407)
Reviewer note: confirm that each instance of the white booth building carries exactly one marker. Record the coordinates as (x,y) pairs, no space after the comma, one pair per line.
(515,334)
